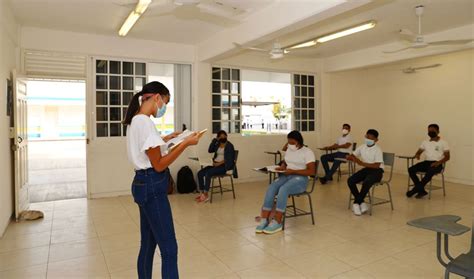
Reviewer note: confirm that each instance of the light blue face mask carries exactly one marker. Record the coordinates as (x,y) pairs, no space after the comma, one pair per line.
(161,111)
(369,142)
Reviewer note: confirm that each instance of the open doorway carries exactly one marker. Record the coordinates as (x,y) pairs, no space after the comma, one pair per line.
(56,140)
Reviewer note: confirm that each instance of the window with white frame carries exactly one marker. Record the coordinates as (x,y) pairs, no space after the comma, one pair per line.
(226,100)
(117,81)
(266,102)
(304,102)
(115,84)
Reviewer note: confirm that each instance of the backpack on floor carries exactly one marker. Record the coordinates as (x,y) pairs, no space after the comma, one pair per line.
(186,182)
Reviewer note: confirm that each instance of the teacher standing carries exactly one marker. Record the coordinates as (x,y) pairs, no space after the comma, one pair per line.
(146,151)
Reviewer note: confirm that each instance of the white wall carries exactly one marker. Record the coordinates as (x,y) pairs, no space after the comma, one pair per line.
(400,106)
(8,61)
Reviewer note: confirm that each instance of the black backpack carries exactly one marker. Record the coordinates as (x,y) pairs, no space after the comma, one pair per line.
(186,182)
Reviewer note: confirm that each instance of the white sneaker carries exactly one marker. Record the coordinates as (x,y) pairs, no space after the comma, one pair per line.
(364,207)
(356,209)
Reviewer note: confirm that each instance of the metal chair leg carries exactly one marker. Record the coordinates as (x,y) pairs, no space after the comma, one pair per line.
(442,181)
(371,200)
(294,204)
(220,185)
(431,187)
(311,208)
(446,274)
(211,189)
(232,184)
(390,195)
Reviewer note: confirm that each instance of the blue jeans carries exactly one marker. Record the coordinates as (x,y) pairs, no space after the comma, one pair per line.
(282,187)
(335,163)
(149,190)
(205,175)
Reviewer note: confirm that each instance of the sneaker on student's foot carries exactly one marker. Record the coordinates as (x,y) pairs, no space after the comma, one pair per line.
(263,224)
(364,208)
(273,227)
(203,199)
(323,180)
(356,209)
(421,194)
(412,192)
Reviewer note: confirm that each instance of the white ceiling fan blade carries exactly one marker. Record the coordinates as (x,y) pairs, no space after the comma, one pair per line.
(251,48)
(451,42)
(427,67)
(407,35)
(398,50)
(219,9)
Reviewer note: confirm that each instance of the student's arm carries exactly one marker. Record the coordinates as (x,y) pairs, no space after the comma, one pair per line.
(282,166)
(213,146)
(345,145)
(418,153)
(160,163)
(285,147)
(310,167)
(366,165)
(446,158)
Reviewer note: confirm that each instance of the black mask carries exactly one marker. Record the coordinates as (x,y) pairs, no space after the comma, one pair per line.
(432,134)
(224,140)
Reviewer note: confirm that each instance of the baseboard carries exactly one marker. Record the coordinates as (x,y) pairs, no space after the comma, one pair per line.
(109,194)
(3,227)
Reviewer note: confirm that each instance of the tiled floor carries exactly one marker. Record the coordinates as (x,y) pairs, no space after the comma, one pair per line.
(100,238)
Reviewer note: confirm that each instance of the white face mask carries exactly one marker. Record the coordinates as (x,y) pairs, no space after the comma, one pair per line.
(345,131)
(292,147)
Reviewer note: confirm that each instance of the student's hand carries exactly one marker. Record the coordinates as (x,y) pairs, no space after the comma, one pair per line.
(350,157)
(289,172)
(192,139)
(280,168)
(175,134)
(435,164)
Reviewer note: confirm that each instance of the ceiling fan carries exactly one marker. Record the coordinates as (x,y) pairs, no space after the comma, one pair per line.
(213,11)
(276,52)
(412,70)
(418,40)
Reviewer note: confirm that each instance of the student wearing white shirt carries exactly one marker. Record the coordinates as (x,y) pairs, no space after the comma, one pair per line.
(149,186)
(299,163)
(437,153)
(372,160)
(343,146)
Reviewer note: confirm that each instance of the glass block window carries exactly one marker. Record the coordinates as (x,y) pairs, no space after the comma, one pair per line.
(226,100)
(304,106)
(115,84)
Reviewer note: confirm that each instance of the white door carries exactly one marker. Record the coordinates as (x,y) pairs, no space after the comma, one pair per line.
(20,145)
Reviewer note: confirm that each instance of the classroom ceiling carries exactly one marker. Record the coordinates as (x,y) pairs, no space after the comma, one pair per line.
(106,16)
(391,15)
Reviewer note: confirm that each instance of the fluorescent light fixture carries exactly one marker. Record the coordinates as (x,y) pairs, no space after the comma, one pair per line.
(346,32)
(142,6)
(334,35)
(304,44)
(132,18)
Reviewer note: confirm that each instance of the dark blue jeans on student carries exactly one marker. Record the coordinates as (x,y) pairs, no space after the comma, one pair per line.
(325,159)
(149,190)
(205,175)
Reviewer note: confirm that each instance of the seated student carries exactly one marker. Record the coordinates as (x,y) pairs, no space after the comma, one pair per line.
(372,160)
(343,146)
(437,153)
(223,161)
(297,166)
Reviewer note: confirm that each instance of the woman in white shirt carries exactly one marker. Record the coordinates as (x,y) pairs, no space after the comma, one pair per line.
(149,187)
(299,163)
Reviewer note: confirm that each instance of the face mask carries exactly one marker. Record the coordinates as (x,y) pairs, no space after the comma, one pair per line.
(369,142)
(224,140)
(345,131)
(432,134)
(160,111)
(292,147)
